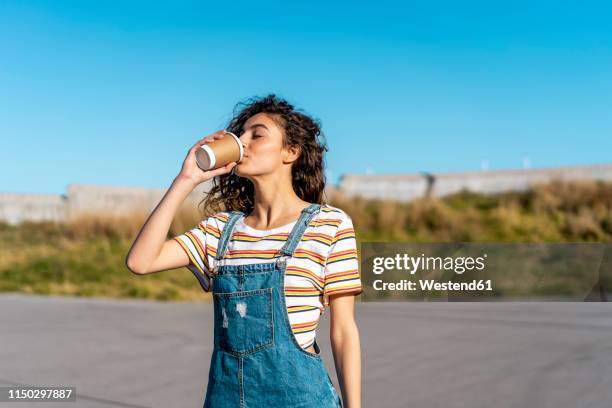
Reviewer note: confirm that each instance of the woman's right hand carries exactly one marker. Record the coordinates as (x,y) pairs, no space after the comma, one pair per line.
(192,172)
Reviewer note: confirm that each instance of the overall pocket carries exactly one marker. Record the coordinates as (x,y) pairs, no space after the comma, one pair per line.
(245,320)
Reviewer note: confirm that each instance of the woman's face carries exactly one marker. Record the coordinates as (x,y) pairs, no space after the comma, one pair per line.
(263,148)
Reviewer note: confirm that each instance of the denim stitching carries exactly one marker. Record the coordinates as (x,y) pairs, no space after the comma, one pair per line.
(226,235)
(271,305)
(266,269)
(240,379)
(298,229)
(244,293)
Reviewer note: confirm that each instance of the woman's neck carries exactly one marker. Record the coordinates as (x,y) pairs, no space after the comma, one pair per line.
(272,217)
(275,203)
(268,215)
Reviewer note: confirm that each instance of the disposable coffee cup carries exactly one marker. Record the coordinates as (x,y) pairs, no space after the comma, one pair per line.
(220,152)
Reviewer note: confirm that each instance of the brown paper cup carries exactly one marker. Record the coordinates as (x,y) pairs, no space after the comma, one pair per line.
(220,152)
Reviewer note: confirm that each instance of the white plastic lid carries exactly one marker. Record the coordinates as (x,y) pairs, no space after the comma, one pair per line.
(239,144)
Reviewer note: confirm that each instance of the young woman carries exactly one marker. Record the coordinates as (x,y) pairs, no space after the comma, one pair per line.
(274,256)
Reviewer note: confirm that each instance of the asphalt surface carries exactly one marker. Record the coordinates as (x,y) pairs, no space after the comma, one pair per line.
(129,353)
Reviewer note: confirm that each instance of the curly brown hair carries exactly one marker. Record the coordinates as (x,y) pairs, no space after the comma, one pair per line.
(231,192)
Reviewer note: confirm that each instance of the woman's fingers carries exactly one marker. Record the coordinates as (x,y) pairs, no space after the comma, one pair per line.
(217,135)
(223,170)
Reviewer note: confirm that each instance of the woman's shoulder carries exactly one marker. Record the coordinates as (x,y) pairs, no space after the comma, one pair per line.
(218,219)
(212,225)
(328,209)
(333,215)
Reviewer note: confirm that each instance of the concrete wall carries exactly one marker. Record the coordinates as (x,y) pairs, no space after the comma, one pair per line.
(406,187)
(82,198)
(17,207)
(85,198)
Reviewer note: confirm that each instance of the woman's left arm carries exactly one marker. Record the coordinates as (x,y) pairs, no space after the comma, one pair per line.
(346,348)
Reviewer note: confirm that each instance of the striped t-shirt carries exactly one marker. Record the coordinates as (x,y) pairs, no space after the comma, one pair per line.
(324,262)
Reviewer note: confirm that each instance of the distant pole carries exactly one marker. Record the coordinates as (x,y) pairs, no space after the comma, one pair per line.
(430,179)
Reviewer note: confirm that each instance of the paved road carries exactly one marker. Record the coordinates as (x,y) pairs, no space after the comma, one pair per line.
(124,353)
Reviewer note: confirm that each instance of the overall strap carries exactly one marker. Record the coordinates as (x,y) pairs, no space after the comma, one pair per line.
(228,228)
(298,229)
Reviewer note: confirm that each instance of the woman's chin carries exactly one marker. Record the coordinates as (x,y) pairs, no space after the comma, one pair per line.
(239,170)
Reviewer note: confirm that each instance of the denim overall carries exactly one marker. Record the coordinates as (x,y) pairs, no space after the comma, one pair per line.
(256,360)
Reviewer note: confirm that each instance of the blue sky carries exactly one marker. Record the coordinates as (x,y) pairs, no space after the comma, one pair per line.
(116,92)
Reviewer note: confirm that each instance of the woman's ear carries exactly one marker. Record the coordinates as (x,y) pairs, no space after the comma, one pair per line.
(292,153)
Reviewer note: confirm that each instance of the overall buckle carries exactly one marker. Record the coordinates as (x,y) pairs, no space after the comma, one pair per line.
(215,267)
(281,262)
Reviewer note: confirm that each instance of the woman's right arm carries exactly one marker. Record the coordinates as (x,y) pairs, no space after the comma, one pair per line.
(151,251)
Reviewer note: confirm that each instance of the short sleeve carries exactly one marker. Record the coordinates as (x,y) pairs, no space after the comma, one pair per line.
(193,243)
(341,270)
